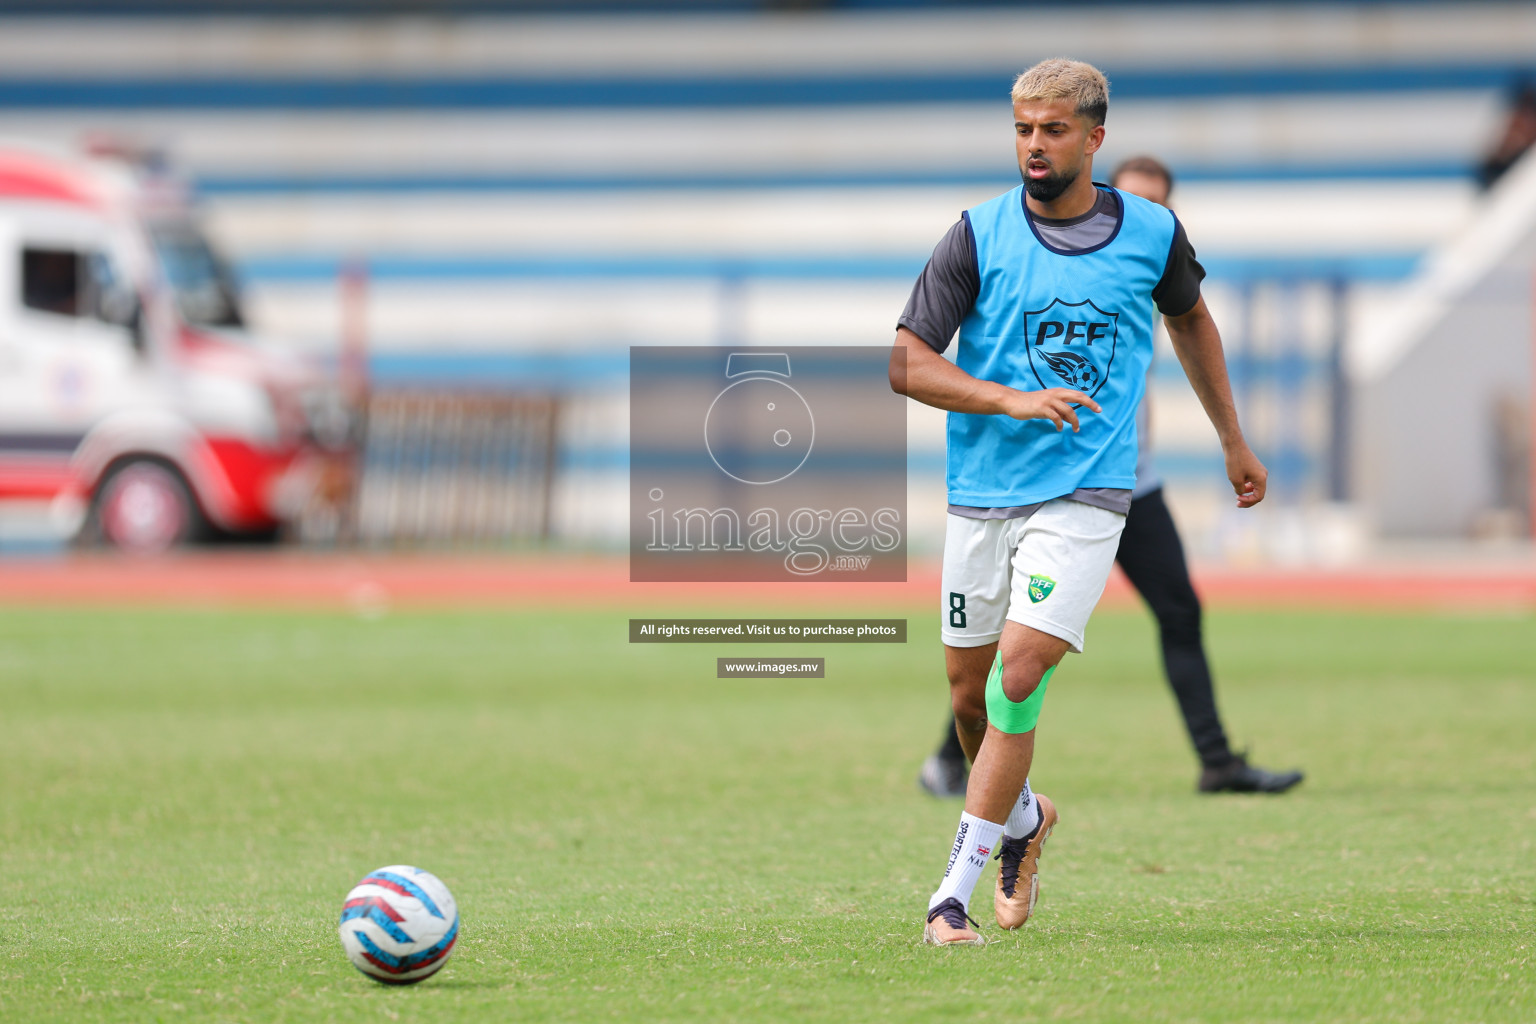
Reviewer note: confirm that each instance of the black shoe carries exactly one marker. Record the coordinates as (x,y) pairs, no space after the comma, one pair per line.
(942,777)
(1238,776)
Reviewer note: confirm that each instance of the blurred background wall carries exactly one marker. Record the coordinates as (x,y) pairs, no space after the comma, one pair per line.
(531,192)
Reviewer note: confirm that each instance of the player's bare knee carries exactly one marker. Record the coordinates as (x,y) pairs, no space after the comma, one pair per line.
(967,684)
(969,703)
(963,675)
(1021,677)
(971,717)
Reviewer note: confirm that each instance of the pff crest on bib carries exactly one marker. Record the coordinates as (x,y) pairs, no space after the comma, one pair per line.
(1071,345)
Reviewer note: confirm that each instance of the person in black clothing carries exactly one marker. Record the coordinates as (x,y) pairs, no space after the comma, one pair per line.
(1152,557)
(1518,136)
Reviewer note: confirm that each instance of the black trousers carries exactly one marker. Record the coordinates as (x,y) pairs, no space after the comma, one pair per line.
(1152,557)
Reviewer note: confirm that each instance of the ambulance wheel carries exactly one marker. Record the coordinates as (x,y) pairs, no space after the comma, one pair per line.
(145,506)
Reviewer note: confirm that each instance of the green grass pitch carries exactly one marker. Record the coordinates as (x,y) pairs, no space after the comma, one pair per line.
(185,797)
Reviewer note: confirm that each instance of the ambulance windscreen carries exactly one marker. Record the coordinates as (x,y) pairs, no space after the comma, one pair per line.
(205,287)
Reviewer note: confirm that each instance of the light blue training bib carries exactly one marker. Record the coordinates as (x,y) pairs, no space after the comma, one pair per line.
(1043,320)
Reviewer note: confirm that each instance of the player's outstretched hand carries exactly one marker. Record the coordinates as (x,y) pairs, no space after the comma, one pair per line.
(1054,404)
(1248,475)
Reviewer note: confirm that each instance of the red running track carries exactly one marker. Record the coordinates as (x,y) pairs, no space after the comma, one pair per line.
(372,583)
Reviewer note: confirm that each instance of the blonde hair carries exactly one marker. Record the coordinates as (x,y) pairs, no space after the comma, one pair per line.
(1063,79)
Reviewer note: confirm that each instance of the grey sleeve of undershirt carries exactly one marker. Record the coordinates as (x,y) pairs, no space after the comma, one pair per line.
(1179,289)
(946,289)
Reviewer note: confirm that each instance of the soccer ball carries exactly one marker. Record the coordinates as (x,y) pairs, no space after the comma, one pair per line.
(399,925)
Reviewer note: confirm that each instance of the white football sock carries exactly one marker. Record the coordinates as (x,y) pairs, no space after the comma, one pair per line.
(974,842)
(1025,816)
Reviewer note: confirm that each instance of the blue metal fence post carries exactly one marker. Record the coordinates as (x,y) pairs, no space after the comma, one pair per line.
(1338,392)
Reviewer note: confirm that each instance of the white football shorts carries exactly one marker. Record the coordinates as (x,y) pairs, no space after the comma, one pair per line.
(1046,571)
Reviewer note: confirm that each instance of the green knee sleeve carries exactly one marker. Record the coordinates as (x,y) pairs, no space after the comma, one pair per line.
(1008,716)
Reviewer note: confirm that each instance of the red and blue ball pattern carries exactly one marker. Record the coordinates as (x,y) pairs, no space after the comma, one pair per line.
(399,925)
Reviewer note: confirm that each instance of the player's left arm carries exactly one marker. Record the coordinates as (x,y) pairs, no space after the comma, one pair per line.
(1198,345)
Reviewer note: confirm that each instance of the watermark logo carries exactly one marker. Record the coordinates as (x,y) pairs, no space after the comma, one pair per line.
(759,430)
(766,464)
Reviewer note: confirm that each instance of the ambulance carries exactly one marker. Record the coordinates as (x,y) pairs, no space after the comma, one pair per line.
(136,411)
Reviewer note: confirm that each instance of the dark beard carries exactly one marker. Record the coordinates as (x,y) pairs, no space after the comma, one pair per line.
(1049,188)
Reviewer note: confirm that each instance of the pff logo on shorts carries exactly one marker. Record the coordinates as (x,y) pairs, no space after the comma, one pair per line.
(1040,588)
